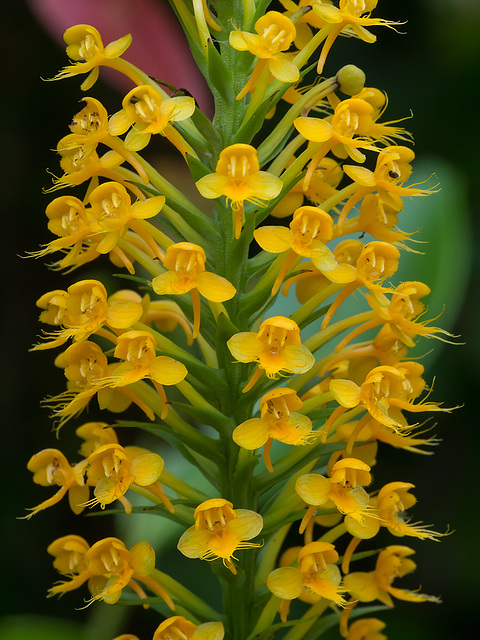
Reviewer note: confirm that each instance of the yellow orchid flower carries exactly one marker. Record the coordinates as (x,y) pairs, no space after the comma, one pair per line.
(219,530)
(85,46)
(316,576)
(89,128)
(377,262)
(343,490)
(67,219)
(82,310)
(275,34)
(84,365)
(392,170)
(351,15)
(138,350)
(94,435)
(238,177)
(278,421)
(309,230)
(108,566)
(50,467)
(112,469)
(400,314)
(353,125)
(276,347)
(69,560)
(385,393)
(112,212)
(145,112)
(393,562)
(186,273)
(181,628)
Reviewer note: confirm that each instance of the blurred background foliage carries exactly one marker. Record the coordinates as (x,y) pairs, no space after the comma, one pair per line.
(431,71)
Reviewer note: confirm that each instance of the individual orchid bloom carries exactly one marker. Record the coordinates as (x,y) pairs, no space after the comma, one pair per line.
(392,170)
(112,469)
(238,177)
(315,576)
(185,264)
(85,48)
(69,560)
(323,185)
(138,350)
(112,213)
(113,567)
(89,128)
(91,123)
(378,219)
(50,467)
(80,163)
(309,230)
(305,22)
(392,501)
(181,628)
(145,112)
(108,566)
(68,220)
(366,629)
(393,562)
(84,365)
(377,262)
(385,393)
(387,511)
(276,348)
(94,435)
(353,125)
(400,314)
(278,421)
(351,15)
(219,531)
(343,490)
(84,310)
(275,34)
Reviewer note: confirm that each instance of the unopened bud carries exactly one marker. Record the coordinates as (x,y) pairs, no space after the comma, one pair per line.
(351,80)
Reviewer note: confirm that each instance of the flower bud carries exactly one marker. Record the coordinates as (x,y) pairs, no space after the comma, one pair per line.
(351,79)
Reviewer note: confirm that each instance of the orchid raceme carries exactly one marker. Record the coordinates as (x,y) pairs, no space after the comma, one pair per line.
(238,177)
(207,313)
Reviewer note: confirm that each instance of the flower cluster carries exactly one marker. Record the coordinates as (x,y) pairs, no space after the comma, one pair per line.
(310,203)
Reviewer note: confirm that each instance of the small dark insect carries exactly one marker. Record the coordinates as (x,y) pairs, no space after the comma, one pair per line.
(393,174)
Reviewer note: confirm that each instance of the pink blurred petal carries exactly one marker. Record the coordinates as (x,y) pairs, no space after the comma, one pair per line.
(159,46)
